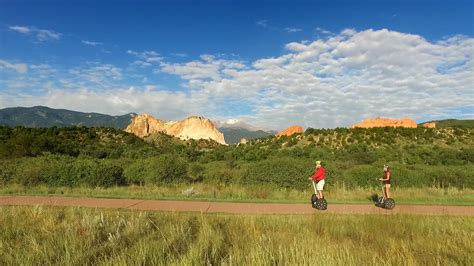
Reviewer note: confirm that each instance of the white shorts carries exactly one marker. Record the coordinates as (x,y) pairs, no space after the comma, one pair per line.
(320,185)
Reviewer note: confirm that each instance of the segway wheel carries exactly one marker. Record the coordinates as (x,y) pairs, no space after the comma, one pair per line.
(314,198)
(389,204)
(321,204)
(380,201)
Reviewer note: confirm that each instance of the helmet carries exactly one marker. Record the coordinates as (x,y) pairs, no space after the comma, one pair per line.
(317,162)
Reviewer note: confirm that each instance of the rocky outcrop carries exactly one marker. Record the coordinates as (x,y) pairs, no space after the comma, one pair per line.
(430,125)
(290,131)
(243,141)
(194,127)
(386,122)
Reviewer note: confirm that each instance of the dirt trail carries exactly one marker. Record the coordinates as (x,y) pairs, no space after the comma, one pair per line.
(226,207)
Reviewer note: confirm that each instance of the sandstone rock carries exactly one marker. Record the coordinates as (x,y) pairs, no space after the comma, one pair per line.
(194,127)
(243,141)
(430,125)
(290,131)
(386,122)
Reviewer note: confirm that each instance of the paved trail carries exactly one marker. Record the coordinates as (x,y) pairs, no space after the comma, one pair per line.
(226,207)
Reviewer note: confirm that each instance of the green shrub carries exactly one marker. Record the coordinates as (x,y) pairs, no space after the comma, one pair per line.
(107,176)
(156,170)
(196,172)
(170,169)
(282,172)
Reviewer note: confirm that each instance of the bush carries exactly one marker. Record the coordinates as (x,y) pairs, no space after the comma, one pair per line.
(170,169)
(156,170)
(107,176)
(282,172)
(196,172)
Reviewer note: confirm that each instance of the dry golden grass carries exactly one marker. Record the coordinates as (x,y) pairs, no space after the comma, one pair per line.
(79,236)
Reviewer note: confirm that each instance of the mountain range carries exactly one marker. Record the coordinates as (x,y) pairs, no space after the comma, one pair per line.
(40,116)
(233,129)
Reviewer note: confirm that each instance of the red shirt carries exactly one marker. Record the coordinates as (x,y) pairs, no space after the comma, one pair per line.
(319,174)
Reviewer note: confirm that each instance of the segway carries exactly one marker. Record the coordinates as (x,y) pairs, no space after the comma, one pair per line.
(319,204)
(388,203)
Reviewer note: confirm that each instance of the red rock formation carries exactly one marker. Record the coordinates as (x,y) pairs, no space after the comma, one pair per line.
(194,127)
(386,122)
(430,125)
(290,131)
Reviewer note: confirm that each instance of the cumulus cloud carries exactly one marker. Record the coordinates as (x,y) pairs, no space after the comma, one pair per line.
(199,72)
(347,77)
(40,35)
(94,75)
(20,68)
(333,81)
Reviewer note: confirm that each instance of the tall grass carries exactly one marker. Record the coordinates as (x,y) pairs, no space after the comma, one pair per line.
(335,193)
(76,236)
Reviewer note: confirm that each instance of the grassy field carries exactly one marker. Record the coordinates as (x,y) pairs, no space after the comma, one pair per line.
(77,236)
(236,193)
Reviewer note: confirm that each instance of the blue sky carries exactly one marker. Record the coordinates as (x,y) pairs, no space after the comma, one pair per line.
(333,61)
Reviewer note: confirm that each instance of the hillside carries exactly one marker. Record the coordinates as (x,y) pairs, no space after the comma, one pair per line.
(451,123)
(40,116)
(419,157)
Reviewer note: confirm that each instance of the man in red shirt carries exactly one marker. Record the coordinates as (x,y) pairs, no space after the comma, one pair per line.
(318,177)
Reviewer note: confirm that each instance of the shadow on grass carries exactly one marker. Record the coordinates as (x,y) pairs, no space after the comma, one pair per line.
(375,199)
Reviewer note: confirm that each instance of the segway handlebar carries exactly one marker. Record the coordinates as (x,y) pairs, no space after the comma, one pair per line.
(314,186)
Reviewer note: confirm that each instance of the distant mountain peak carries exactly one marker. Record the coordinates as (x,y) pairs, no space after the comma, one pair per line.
(237,123)
(232,121)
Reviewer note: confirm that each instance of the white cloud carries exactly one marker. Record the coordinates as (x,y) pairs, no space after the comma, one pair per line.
(21,29)
(92,75)
(141,64)
(334,81)
(323,31)
(40,35)
(291,30)
(163,104)
(265,24)
(342,79)
(146,58)
(262,23)
(46,35)
(91,43)
(20,68)
(199,72)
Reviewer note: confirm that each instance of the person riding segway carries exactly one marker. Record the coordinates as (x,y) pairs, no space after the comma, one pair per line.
(317,199)
(385,201)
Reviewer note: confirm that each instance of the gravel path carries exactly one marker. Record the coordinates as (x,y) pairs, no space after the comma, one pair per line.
(227,207)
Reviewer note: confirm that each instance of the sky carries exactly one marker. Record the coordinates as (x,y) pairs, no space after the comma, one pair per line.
(273,64)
